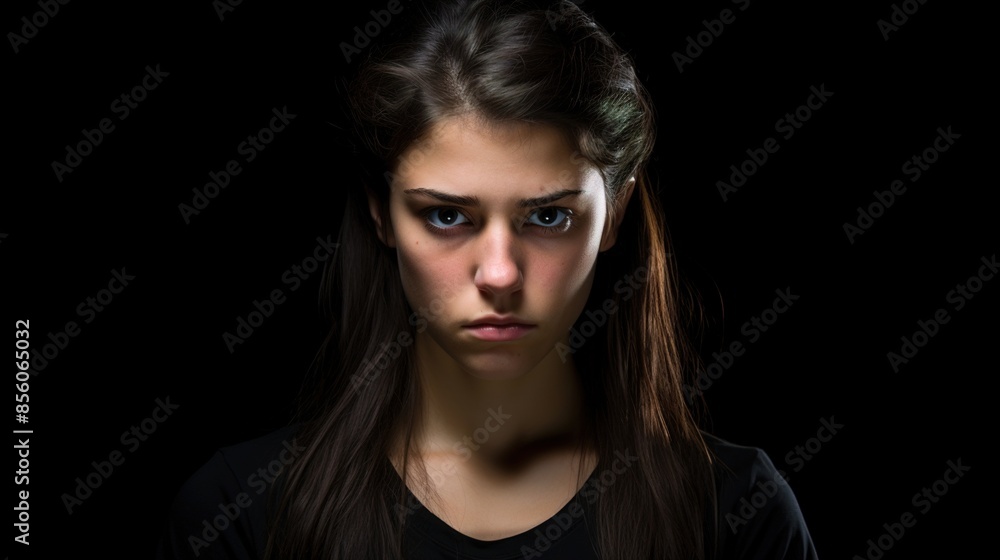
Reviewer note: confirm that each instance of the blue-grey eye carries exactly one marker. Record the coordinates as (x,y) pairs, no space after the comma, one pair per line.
(448,216)
(550,217)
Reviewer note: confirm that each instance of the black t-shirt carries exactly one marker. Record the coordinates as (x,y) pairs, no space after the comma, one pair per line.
(220,512)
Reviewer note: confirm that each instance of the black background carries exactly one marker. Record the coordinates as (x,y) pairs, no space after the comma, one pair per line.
(825,357)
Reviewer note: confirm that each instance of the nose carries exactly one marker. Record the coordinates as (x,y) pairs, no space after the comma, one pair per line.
(499,259)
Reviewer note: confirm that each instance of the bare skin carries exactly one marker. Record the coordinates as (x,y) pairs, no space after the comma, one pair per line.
(498,424)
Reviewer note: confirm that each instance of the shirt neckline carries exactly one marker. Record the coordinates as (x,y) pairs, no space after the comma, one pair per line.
(548,534)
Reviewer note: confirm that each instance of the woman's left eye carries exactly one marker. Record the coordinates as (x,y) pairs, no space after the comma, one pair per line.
(549,218)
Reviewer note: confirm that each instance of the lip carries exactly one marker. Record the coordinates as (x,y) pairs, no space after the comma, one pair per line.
(498,321)
(498,328)
(499,333)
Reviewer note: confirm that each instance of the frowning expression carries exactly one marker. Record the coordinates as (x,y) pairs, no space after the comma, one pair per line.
(496,221)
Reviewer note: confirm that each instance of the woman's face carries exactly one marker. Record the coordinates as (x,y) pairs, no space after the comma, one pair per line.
(505,221)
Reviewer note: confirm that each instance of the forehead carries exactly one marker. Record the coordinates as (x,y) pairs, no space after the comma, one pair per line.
(466,153)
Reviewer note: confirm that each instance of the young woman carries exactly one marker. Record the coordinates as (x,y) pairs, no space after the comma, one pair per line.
(505,373)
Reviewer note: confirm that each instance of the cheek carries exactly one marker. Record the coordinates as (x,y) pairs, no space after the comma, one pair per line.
(429,277)
(563,277)
(563,284)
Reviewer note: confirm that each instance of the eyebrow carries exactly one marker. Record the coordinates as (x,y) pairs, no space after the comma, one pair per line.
(459,200)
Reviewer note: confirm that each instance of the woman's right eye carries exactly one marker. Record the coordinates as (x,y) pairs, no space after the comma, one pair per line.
(447,217)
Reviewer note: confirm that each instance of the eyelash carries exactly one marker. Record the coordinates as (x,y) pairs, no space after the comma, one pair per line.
(567,224)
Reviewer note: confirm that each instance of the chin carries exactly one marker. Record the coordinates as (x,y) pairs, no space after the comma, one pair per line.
(495,367)
(491,360)
(498,363)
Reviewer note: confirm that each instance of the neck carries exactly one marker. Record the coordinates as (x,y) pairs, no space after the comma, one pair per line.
(495,422)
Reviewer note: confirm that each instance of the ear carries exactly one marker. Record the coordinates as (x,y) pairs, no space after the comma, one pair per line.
(615,216)
(384,232)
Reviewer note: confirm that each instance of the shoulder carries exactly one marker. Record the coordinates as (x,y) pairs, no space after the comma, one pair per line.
(220,510)
(758,515)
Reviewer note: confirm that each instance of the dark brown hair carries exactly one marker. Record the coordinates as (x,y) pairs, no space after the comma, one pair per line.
(503,61)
